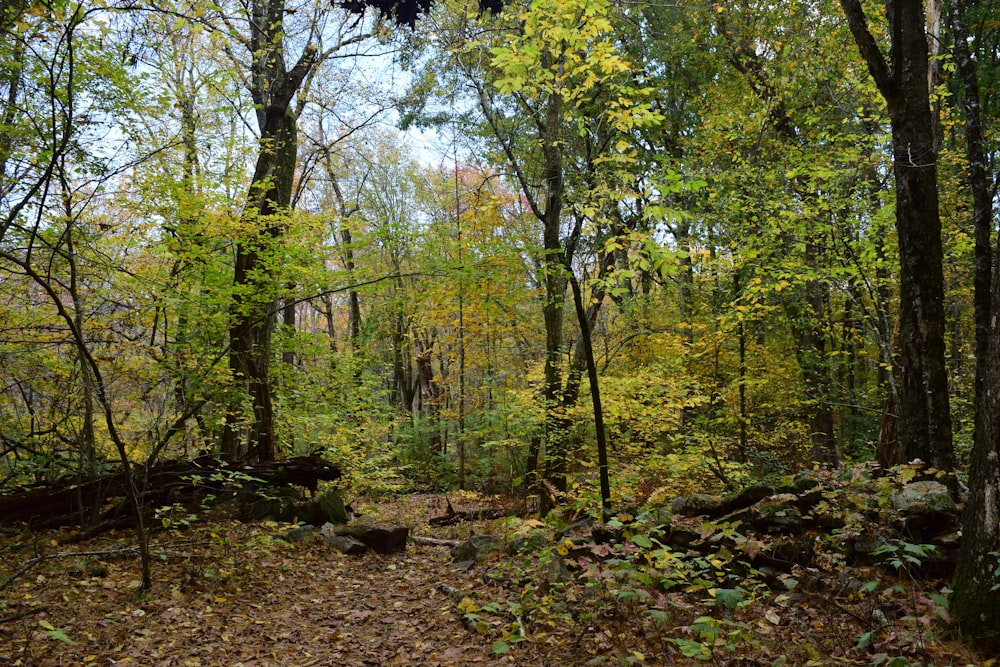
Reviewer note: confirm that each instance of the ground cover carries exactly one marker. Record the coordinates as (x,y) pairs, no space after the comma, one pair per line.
(229,593)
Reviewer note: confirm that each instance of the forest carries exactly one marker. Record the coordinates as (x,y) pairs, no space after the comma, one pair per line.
(533,332)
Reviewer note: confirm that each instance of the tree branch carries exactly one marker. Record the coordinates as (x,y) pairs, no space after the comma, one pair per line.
(867,46)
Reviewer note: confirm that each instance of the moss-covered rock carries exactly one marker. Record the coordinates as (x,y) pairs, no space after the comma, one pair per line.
(697,504)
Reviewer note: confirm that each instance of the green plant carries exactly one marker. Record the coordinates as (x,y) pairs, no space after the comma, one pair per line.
(905,556)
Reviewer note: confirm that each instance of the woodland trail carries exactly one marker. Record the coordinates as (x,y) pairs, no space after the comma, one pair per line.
(231,594)
(228,593)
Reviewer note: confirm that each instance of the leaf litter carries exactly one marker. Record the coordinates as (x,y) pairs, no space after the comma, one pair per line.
(228,593)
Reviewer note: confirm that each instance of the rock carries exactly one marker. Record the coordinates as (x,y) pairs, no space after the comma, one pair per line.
(328,507)
(555,571)
(528,543)
(463,565)
(924,498)
(681,538)
(381,539)
(740,518)
(606,534)
(477,547)
(298,532)
(806,480)
(345,544)
(861,548)
(746,497)
(778,514)
(697,504)
(278,509)
(786,552)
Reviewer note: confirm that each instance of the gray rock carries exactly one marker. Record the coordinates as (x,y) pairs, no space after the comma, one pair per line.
(528,543)
(555,571)
(924,498)
(747,496)
(805,480)
(681,538)
(345,544)
(326,507)
(696,504)
(778,514)
(277,509)
(381,539)
(298,532)
(477,547)
(605,534)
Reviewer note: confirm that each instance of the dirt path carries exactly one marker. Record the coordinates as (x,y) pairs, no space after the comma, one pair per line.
(230,594)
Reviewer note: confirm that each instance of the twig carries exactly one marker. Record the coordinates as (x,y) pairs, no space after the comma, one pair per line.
(21,614)
(21,570)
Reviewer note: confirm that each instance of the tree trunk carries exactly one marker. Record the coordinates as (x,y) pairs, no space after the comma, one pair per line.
(595,392)
(255,306)
(974,600)
(924,418)
(254,309)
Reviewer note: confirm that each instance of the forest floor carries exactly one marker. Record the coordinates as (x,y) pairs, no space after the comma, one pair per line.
(227,593)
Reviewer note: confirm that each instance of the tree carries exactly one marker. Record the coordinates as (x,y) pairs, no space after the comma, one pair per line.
(973,602)
(273,86)
(902,79)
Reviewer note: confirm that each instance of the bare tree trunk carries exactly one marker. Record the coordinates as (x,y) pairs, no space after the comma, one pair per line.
(974,600)
(924,418)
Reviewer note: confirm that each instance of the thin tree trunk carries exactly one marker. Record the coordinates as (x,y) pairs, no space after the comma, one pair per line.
(974,600)
(595,393)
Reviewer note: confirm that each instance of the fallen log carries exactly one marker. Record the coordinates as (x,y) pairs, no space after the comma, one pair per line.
(434,541)
(453,518)
(74,502)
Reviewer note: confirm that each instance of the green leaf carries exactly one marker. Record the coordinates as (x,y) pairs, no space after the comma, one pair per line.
(642,541)
(55,633)
(500,647)
(729,597)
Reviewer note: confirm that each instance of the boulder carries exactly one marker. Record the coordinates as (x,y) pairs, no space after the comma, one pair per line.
(697,504)
(328,507)
(298,533)
(603,533)
(477,548)
(923,499)
(778,514)
(346,545)
(747,496)
(805,480)
(281,508)
(381,539)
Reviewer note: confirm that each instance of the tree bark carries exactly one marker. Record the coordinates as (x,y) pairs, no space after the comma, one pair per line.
(924,418)
(556,424)
(974,600)
(253,317)
(255,302)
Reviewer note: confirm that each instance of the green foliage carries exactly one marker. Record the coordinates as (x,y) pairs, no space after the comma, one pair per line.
(53,632)
(904,556)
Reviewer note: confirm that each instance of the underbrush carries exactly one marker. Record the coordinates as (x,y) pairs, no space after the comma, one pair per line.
(620,593)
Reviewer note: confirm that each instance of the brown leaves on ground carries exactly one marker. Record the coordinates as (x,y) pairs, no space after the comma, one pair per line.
(233,594)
